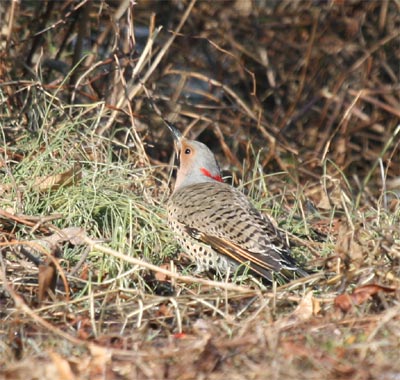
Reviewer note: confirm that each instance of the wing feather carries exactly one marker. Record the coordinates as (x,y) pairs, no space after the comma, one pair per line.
(234,228)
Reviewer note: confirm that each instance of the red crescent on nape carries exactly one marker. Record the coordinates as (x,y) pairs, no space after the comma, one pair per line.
(208,174)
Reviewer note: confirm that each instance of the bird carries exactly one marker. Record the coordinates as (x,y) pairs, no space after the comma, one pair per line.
(217,225)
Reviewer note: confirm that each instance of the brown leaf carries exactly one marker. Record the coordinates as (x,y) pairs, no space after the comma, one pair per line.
(343,302)
(84,272)
(208,359)
(305,308)
(53,182)
(164,311)
(84,328)
(72,234)
(62,366)
(162,276)
(348,247)
(324,203)
(361,294)
(327,226)
(372,289)
(47,279)
(50,243)
(101,357)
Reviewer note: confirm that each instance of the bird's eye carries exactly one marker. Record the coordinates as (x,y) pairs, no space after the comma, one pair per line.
(188,151)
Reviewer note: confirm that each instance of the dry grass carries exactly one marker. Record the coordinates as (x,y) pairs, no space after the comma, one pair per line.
(309,93)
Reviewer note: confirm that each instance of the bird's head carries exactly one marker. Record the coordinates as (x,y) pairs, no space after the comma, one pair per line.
(197,164)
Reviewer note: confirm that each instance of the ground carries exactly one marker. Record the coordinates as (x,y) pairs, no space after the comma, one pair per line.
(300,103)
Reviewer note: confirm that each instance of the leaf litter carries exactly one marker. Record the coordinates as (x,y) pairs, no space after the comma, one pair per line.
(93,285)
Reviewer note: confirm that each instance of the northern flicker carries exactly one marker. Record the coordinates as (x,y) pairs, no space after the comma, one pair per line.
(215,223)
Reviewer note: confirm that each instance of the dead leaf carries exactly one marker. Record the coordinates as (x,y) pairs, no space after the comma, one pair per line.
(74,235)
(348,247)
(243,7)
(84,272)
(101,357)
(208,359)
(84,328)
(306,308)
(324,203)
(162,276)
(325,227)
(345,302)
(47,279)
(164,310)
(62,366)
(53,182)
(328,194)
(291,349)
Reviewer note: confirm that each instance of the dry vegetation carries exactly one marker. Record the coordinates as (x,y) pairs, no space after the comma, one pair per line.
(299,100)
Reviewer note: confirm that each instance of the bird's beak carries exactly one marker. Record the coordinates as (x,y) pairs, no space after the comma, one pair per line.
(177,135)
